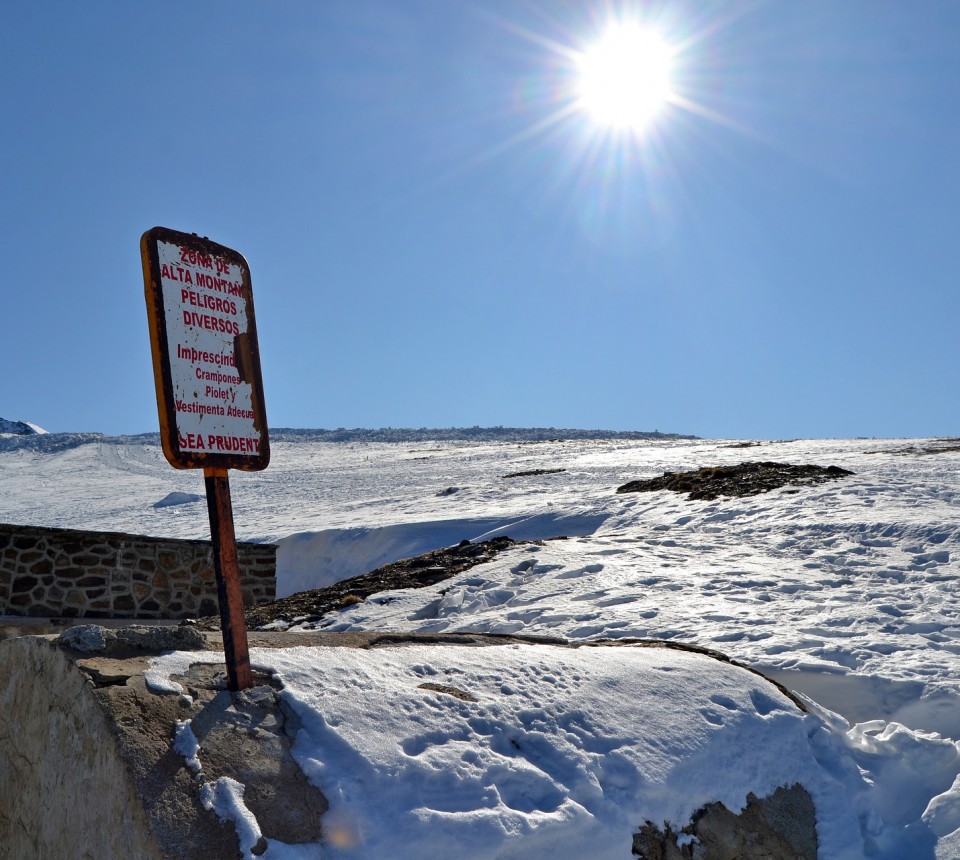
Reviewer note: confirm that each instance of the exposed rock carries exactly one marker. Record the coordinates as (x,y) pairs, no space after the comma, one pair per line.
(936,446)
(20,428)
(177,498)
(94,639)
(747,479)
(245,736)
(97,773)
(58,750)
(782,826)
(447,690)
(533,472)
(88,638)
(186,637)
(306,607)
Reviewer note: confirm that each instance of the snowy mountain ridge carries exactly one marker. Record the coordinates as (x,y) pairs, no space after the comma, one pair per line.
(19,428)
(34,438)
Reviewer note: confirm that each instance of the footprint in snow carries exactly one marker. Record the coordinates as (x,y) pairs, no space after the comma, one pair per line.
(591,596)
(577,572)
(711,716)
(763,703)
(617,601)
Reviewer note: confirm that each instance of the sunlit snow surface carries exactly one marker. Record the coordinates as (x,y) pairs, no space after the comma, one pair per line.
(844,591)
(553,753)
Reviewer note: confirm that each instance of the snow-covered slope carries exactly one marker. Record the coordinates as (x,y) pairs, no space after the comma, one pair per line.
(843,591)
(19,428)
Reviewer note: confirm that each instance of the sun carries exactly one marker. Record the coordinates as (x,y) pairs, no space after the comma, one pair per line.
(624,78)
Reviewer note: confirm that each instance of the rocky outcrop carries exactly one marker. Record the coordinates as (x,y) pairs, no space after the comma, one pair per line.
(91,751)
(306,607)
(746,479)
(19,428)
(779,827)
(57,748)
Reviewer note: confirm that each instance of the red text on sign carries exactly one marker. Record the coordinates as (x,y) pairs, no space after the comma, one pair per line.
(210,303)
(211,442)
(192,318)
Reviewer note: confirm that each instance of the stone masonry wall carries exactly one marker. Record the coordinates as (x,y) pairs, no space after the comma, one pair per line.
(53,573)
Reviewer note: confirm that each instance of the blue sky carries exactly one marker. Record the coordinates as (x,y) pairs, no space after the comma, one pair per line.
(438,237)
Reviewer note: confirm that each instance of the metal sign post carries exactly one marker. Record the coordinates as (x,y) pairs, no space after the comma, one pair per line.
(206,367)
(227,568)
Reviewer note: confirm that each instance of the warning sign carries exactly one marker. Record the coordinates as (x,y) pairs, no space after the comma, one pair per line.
(205,355)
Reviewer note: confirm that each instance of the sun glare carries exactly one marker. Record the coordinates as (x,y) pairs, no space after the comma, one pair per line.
(624,78)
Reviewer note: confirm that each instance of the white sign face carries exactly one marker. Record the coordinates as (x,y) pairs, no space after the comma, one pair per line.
(205,311)
(206,361)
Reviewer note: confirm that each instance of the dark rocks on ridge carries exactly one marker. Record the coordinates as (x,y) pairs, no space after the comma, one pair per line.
(747,479)
(308,607)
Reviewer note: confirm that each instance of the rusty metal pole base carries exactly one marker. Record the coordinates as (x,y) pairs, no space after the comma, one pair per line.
(227,567)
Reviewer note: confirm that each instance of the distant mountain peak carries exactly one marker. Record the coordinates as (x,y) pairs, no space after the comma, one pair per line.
(20,428)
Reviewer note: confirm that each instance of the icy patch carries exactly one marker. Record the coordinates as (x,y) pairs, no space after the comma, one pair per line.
(157,676)
(225,797)
(185,743)
(159,682)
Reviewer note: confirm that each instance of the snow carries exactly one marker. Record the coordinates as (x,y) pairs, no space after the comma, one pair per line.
(19,428)
(225,797)
(185,744)
(552,753)
(843,592)
(316,559)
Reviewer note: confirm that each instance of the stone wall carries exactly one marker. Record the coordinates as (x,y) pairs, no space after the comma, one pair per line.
(67,573)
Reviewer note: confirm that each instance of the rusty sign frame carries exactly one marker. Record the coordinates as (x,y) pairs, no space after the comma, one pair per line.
(246,355)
